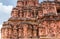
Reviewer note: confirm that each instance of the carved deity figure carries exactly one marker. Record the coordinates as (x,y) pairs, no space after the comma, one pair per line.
(52,29)
(14,13)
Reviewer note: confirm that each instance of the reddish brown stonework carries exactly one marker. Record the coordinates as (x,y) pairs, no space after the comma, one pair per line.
(31,19)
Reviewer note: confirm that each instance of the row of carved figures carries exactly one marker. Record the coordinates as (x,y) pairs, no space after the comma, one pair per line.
(31,31)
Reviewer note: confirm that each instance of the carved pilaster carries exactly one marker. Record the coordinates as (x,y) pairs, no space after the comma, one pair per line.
(14,12)
(20,3)
(35,32)
(20,31)
(3,33)
(10,32)
(25,29)
(15,32)
(30,31)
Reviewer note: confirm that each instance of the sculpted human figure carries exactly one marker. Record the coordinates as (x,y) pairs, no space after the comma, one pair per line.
(58,28)
(25,29)
(30,31)
(40,14)
(20,31)
(14,13)
(43,29)
(52,29)
(20,13)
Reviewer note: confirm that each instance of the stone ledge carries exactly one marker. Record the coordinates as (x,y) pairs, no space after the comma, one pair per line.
(17,18)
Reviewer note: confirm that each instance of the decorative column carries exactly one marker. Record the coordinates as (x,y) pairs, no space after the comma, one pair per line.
(3,33)
(30,3)
(14,33)
(39,30)
(40,14)
(52,29)
(14,12)
(25,13)
(58,29)
(25,29)
(21,13)
(20,3)
(35,32)
(28,14)
(6,31)
(30,31)
(43,29)
(9,32)
(35,13)
(20,31)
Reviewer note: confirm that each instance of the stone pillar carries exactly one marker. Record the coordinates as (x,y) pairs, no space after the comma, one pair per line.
(20,3)
(25,29)
(55,9)
(40,14)
(43,29)
(30,3)
(14,12)
(20,31)
(25,13)
(3,33)
(10,32)
(30,31)
(45,9)
(25,3)
(15,33)
(6,32)
(20,13)
(58,29)
(35,13)
(36,2)
(39,30)
(52,29)
(28,14)
(35,31)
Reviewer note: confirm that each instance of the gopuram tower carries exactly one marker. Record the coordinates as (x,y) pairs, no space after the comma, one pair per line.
(31,19)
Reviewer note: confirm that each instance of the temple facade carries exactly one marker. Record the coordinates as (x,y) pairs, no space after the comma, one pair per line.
(31,19)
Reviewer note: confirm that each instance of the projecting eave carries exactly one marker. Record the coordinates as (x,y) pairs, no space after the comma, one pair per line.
(18,19)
